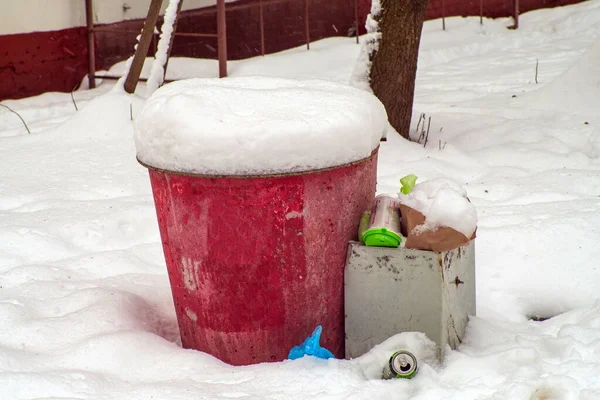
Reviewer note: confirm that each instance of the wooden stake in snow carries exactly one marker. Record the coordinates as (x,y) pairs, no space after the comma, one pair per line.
(443,15)
(307,24)
(480,12)
(133,76)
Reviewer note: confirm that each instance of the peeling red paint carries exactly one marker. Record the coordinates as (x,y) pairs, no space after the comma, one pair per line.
(39,62)
(256,264)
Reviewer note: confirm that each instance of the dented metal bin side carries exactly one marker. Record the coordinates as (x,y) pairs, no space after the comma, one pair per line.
(394,290)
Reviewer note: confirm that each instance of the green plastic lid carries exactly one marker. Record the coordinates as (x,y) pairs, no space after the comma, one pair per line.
(381,237)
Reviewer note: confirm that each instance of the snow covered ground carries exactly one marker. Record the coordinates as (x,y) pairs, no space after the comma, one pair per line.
(84,296)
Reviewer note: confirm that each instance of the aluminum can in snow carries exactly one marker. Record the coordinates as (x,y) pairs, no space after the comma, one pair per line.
(384,225)
(402,364)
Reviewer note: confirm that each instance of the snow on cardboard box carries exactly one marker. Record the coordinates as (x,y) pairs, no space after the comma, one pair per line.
(437,216)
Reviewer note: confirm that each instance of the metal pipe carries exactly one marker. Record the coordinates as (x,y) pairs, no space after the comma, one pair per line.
(222,38)
(193,34)
(262,28)
(112,30)
(306,25)
(116,78)
(106,29)
(481,12)
(356,18)
(89,19)
(443,15)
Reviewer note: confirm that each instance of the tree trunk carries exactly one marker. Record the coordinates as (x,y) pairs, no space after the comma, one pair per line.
(394,64)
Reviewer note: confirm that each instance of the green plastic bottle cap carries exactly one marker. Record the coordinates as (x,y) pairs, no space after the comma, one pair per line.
(381,237)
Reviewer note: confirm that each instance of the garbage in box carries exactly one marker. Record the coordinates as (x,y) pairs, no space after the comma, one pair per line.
(363,225)
(437,216)
(394,290)
(384,223)
(248,175)
(434,215)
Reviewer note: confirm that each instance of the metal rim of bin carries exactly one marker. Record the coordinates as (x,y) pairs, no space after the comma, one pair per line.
(279,175)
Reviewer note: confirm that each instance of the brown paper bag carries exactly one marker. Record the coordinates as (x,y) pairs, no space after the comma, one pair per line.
(440,240)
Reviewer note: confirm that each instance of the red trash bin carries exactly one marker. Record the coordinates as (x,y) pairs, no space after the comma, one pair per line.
(259,184)
(256,263)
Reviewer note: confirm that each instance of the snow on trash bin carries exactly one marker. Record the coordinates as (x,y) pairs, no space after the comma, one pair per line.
(256,126)
(259,184)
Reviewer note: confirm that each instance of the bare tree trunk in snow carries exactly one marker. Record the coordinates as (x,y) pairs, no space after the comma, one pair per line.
(394,64)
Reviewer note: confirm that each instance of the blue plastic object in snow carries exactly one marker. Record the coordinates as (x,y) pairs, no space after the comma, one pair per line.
(311,347)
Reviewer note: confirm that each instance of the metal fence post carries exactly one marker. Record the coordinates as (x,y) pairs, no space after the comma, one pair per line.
(89,19)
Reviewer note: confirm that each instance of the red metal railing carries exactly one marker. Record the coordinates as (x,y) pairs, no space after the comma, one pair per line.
(151,21)
(220,35)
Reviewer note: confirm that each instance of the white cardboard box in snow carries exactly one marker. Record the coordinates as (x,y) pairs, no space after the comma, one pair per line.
(392,290)
(257,125)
